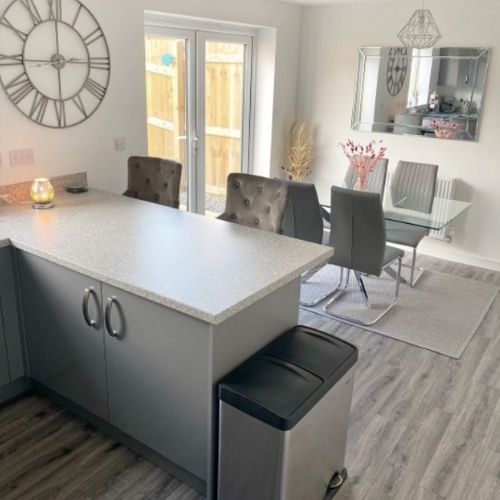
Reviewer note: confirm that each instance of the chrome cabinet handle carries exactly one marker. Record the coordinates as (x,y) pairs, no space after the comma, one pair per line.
(90,291)
(107,317)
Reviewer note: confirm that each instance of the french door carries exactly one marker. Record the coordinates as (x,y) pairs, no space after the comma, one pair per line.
(198,87)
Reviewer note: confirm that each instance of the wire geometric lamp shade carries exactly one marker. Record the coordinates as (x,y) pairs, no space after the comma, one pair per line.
(421,31)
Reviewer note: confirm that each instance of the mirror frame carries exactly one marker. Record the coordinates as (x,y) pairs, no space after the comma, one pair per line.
(364,53)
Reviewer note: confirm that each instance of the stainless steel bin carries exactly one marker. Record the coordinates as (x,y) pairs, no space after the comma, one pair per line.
(283,419)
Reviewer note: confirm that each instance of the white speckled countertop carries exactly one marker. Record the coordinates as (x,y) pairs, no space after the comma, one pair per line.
(205,268)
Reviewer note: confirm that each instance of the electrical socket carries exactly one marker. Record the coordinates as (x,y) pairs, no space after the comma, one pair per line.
(120,144)
(20,157)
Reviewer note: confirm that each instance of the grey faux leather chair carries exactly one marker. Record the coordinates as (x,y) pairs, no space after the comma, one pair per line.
(358,236)
(154,179)
(255,201)
(303,218)
(413,186)
(376,184)
(376,178)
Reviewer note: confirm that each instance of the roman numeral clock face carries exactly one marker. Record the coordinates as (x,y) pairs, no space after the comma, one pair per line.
(54,60)
(397,69)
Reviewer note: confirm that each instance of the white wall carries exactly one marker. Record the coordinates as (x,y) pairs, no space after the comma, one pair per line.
(90,146)
(331,36)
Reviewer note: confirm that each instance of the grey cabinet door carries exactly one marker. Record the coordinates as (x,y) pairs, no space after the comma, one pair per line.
(10,333)
(64,352)
(4,364)
(159,380)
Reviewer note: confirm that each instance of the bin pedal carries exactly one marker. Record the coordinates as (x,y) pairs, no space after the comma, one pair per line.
(336,482)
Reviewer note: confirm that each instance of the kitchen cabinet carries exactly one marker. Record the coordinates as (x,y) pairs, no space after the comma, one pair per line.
(11,347)
(152,365)
(64,332)
(4,362)
(146,369)
(159,385)
(202,296)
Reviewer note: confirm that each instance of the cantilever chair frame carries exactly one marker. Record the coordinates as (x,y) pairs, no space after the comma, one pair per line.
(344,283)
(307,276)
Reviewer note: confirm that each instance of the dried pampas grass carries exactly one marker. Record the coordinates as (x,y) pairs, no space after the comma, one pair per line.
(300,153)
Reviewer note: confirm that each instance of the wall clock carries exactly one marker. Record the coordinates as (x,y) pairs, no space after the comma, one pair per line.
(397,69)
(54,60)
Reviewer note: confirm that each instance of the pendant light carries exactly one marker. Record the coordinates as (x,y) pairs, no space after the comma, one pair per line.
(421,31)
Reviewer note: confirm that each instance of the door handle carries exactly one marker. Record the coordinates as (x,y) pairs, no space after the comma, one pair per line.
(89,292)
(107,317)
(194,145)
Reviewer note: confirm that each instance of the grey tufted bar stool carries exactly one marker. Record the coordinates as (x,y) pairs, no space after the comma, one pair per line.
(255,201)
(154,179)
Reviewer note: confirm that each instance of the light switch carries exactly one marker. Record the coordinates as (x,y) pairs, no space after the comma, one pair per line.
(20,157)
(120,144)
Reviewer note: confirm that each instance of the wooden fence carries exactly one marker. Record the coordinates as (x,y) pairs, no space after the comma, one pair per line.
(166,109)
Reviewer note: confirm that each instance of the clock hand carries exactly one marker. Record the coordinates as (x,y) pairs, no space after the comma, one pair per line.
(45,62)
(37,60)
(58,52)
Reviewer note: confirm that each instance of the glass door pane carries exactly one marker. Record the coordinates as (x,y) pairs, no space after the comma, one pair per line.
(166,91)
(224,103)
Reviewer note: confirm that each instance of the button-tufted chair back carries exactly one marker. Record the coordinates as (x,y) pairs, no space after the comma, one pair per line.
(154,179)
(256,202)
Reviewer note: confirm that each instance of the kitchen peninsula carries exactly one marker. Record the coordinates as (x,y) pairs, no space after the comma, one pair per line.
(132,312)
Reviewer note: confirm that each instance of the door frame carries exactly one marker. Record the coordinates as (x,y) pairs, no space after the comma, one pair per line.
(190,151)
(201,38)
(196,32)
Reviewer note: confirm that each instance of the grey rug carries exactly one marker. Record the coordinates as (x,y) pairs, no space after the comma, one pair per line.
(442,313)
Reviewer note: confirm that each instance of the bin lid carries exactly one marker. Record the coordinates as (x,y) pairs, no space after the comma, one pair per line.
(317,352)
(269,389)
(281,383)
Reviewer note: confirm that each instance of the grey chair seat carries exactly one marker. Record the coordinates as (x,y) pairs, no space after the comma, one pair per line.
(391,254)
(404,234)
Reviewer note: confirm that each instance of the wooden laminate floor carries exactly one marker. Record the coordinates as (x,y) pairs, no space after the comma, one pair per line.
(423,427)
(45,453)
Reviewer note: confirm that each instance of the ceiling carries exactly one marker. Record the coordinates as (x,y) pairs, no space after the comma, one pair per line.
(333,2)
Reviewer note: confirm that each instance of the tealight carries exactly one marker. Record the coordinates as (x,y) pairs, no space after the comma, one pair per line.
(42,193)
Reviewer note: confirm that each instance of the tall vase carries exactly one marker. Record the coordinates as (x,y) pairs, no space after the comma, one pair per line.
(361,183)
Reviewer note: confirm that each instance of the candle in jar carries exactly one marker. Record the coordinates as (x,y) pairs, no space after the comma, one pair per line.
(42,193)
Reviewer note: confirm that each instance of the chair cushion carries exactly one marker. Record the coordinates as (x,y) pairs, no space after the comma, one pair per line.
(392,253)
(404,234)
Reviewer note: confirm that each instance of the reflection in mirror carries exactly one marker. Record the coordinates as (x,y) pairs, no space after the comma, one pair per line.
(435,92)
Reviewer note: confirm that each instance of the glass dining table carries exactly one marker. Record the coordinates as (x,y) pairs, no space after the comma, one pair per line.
(404,209)
(444,212)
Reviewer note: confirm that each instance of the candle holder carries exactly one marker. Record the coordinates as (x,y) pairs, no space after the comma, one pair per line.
(42,194)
